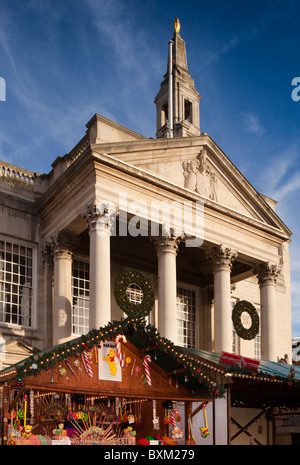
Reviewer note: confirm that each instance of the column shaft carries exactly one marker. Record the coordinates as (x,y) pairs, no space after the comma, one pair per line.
(62,296)
(221,259)
(100,219)
(167,247)
(267,275)
(100,281)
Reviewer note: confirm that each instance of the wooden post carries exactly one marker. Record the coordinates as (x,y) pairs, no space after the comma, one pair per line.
(5,415)
(228,415)
(214,421)
(273,432)
(188,411)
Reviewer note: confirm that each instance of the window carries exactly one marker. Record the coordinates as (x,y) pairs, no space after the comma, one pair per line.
(134,294)
(188,113)
(186,317)
(16,284)
(80,297)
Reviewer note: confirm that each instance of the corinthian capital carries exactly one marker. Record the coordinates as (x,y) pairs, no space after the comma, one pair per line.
(167,241)
(100,217)
(267,273)
(59,242)
(221,257)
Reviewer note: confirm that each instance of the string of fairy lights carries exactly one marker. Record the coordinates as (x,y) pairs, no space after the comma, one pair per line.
(196,369)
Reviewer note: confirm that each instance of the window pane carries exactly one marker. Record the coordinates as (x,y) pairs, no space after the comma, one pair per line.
(80,297)
(186,317)
(19,294)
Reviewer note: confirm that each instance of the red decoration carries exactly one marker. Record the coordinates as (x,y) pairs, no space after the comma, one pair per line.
(239,360)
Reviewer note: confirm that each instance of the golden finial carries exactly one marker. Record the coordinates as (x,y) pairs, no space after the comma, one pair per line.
(176,25)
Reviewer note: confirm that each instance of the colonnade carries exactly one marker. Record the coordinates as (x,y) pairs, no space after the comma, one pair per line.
(100,223)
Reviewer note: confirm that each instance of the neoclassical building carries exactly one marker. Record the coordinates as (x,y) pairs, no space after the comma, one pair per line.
(174,208)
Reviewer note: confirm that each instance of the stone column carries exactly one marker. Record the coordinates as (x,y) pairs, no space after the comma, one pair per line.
(100,219)
(62,287)
(166,247)
(267,275)
(46,319)
(221,259)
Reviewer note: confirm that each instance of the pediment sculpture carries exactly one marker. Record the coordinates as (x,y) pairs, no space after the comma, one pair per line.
(199,177)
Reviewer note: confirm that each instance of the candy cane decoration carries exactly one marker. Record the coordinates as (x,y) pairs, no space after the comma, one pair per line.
(173,419)
(147,360)
(87,363)
(118,346)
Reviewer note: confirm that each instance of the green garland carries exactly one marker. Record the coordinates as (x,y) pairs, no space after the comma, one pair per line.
(124,280)
(193,369)
(238,309)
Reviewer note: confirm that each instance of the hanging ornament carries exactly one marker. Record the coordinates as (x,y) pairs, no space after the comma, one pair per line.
(191,440)
(176,415)
(154,416)
(72,371)
(177,433)
(147,360)
(167,419)
(138,417)
(119,349)
(204,431)
(62,371)
(173,421)
(87,363)
(76,363)
(31,406)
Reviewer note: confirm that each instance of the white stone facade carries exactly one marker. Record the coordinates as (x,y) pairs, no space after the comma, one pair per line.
(67,216)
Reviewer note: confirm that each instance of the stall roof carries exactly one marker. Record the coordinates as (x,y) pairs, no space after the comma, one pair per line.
(195,370)
(265,367)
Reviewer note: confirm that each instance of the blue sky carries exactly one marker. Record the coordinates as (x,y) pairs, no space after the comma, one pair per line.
(63,61)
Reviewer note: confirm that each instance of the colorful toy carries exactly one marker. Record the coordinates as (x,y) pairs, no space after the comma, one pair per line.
(204,430)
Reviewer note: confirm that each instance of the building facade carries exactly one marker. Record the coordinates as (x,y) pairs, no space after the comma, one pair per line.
(174,208)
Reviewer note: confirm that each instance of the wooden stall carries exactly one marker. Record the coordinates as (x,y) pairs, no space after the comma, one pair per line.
(118,385)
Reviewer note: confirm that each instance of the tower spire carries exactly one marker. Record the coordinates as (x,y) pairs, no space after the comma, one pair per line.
(185,98)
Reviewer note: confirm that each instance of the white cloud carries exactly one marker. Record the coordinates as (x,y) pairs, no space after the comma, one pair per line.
(252,124)
(289,188)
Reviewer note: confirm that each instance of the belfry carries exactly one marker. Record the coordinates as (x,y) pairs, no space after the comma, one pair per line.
(178,92)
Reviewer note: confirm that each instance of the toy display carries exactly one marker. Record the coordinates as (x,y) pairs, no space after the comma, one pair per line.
(102,389)
(64,419)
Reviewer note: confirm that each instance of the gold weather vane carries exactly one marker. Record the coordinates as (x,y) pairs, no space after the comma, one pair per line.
(176,25)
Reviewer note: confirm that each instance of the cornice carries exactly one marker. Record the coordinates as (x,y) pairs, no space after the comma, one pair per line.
(155,180)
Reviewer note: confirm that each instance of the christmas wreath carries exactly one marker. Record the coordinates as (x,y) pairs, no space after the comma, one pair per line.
(238,309)
(133,280)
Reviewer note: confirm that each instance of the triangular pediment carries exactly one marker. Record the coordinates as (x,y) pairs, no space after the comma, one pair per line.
(198,165)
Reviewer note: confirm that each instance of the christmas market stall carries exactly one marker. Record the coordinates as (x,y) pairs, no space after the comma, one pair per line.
(121,384)
(263,398)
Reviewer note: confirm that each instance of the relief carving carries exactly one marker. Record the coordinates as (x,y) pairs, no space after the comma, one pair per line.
(199,177)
